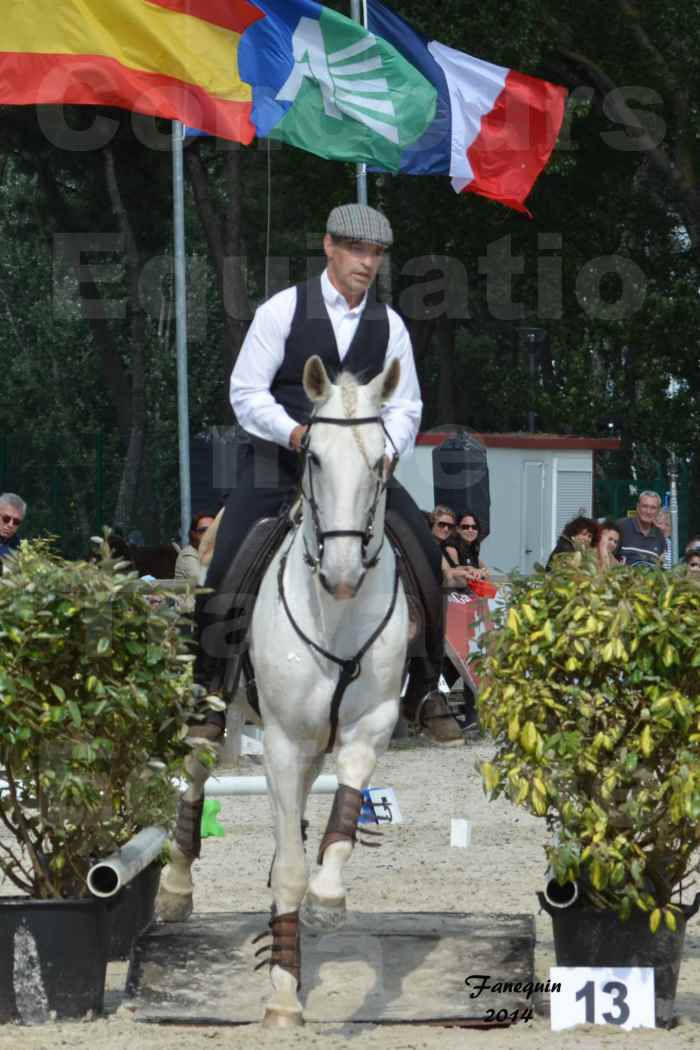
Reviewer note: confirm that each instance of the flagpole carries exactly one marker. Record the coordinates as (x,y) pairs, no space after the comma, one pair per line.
(183,421)
(361,169)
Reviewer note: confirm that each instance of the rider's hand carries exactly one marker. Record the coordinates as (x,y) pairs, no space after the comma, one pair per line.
(297,436)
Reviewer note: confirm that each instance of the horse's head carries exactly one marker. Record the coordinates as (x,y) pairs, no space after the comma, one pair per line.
(345,475)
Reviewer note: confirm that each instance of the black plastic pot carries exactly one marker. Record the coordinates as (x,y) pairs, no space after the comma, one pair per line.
(149,881)
(53,958)
(132,911)
(587,936)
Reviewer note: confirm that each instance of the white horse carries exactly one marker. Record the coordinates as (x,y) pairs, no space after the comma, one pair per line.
(328,643)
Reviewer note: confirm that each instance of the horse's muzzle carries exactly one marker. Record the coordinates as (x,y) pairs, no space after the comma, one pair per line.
(342,590)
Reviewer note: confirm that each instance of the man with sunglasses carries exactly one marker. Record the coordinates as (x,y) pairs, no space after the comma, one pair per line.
(12,512)
(338,317)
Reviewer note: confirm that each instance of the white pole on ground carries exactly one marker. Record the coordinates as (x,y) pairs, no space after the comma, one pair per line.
(106,877)
(220,787)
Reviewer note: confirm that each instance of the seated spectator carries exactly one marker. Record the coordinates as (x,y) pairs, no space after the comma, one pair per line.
(693,544)
(442,522)
(692,562)
(608,545)
(579,534)
(461,551)
(12,512)
(188,566)
(643,543)
(442,525)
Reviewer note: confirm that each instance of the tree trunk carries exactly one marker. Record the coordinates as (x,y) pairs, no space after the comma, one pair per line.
(131,469)
(224,240)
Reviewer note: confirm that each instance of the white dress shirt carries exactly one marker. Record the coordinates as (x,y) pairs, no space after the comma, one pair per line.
(262,354)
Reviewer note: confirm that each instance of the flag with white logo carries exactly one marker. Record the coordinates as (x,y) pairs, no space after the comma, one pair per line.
(494,128)
(324,84)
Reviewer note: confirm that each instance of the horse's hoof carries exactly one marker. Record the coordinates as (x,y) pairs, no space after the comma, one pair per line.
(318,914)
(173,907)
(275,1018)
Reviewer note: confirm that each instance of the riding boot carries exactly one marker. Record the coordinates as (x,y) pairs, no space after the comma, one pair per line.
(426,707)
(207,671)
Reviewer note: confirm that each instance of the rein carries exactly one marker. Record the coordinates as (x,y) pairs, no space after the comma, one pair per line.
(349,669)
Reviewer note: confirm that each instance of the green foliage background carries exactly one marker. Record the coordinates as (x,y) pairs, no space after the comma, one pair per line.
(88,402)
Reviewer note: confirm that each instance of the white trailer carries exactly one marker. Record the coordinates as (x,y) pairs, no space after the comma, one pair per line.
(538,482)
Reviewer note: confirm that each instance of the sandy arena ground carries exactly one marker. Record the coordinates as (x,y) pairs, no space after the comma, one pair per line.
(415,870)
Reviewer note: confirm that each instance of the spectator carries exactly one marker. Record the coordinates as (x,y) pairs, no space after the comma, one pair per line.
(643,543)
(580,533)
(693,544)
(461,551)
(12,512)
(442,522)
(608,545)
(692,562)
(187,566)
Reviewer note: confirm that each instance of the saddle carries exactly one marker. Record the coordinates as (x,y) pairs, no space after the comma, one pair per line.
(244,577)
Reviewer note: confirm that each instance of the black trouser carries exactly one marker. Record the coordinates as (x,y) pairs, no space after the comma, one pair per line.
(267,477)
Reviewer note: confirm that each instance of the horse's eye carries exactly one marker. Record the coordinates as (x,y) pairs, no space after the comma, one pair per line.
(379,466)
(313,458)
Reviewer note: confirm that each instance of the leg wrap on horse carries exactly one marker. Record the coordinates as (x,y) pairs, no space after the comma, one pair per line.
(285,950)
(188,833)
(342,823)
(203,738)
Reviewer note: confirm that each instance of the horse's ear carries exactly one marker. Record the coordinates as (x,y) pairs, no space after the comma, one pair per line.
(316,382)
(385,384)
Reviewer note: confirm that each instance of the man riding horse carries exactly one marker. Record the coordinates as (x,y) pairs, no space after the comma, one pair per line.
(338,318)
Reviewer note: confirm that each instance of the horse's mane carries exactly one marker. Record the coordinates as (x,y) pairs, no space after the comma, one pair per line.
(348,383)
(348,392)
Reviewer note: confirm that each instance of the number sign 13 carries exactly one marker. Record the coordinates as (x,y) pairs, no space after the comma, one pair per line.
(622,997)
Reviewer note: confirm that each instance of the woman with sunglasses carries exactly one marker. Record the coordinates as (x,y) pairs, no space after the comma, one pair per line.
(442,522)
(461,551)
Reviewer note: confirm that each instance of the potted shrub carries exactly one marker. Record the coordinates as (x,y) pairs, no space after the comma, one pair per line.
(593,700)
(94,692)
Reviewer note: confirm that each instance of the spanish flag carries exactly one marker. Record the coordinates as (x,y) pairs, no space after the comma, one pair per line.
(168,58)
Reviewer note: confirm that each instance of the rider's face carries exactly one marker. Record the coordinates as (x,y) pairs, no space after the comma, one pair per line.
(352,266)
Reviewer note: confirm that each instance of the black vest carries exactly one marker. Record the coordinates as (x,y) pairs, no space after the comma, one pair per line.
(312,333)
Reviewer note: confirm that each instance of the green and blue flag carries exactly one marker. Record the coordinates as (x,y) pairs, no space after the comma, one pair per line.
(323,83)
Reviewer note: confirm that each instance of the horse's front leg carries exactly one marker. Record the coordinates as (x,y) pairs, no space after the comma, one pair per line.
(175,896)
(290,773)
(359,748)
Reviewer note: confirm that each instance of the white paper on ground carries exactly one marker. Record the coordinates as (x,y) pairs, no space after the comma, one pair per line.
(460,832)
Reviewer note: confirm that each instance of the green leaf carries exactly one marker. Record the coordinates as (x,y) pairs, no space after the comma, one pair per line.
(75,714)
(528,737)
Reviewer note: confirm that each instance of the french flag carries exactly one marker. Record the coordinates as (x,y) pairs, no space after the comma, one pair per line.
(494,129)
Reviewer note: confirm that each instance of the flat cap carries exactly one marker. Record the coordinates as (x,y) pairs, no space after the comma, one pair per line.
(357,222)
